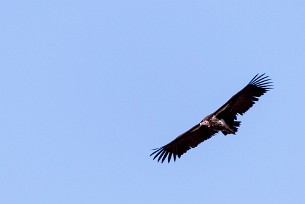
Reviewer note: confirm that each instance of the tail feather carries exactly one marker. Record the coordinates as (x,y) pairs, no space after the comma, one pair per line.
(236,124)
(233,127)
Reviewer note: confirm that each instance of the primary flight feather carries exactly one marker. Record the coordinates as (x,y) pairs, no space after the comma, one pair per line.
(224,120)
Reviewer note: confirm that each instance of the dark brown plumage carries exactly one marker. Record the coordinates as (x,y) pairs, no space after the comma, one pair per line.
(224,120)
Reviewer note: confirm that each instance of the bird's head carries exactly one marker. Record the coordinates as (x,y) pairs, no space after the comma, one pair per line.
(205,123)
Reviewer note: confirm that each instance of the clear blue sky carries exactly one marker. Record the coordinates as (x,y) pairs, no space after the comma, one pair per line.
(88,88)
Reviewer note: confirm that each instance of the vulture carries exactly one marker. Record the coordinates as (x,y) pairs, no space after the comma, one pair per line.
(224,120)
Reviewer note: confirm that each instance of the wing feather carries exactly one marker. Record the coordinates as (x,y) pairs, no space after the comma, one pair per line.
(183,143)
(245,98)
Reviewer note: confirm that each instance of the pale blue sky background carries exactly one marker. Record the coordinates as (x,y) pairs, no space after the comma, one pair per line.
(88,88)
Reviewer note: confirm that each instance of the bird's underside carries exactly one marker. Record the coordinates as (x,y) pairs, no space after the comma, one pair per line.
(224,120)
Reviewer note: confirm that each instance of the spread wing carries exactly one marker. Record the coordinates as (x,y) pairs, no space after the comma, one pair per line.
(244,99)
(183,143)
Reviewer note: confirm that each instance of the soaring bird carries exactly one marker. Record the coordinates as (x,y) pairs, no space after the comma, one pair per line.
(224,119)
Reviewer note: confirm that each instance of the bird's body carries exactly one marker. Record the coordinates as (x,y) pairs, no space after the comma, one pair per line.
(224,120)
(218,124)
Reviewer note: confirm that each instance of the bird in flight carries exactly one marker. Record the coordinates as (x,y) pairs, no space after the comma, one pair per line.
(224,120)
